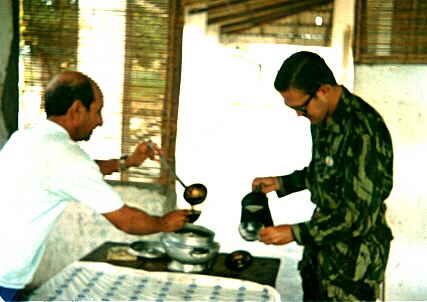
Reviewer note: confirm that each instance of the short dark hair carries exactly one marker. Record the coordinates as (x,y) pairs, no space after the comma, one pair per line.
(64,89)
(305,71)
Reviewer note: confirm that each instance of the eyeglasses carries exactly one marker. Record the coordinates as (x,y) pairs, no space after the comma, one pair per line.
(303,108)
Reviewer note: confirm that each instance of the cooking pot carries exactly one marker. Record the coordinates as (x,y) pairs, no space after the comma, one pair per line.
(193,244)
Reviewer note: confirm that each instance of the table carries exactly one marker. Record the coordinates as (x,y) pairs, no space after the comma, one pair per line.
(100,281)
(94,277)
(263,270)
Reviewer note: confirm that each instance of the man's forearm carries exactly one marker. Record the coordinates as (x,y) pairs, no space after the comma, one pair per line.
(111,165)
(291,183)
(108,166)
(134,221)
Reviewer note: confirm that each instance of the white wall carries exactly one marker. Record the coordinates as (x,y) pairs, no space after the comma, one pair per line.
(229,129)
(399,92)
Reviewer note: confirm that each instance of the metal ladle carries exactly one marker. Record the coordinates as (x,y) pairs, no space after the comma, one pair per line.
(194,194)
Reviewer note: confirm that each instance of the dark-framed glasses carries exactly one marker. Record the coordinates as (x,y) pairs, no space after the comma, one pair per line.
(303,108)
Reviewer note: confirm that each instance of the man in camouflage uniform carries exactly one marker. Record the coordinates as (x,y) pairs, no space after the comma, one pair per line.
(347,241)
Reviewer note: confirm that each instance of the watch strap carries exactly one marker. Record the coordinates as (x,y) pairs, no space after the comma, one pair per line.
(122,163)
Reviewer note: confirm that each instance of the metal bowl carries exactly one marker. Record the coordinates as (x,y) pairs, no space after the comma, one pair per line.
(194,215)
(238,260)
(147,249)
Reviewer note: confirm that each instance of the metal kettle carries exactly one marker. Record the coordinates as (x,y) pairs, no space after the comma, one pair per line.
(255,214)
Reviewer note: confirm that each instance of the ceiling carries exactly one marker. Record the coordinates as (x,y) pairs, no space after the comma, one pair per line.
(239,15)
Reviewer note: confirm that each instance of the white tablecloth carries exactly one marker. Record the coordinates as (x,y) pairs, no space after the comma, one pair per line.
(104,282)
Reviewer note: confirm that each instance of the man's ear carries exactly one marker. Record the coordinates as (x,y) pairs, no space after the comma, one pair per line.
(76,111)
(324,90)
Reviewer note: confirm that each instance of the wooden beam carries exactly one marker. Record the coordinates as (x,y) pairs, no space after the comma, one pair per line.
(218,4)
(224,7)
(234,24)
(234,16)
(241,7)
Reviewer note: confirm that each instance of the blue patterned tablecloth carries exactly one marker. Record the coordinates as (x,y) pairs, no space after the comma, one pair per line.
(104,282)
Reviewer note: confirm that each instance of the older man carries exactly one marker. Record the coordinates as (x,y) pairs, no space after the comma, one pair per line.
(347,241)
(44,168)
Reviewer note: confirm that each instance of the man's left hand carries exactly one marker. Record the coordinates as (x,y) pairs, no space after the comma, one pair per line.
(277,235)
(141,153)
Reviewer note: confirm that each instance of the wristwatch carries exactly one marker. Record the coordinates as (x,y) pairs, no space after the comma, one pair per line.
(122,163)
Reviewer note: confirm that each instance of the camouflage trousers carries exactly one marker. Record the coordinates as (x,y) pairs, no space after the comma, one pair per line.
(318,287)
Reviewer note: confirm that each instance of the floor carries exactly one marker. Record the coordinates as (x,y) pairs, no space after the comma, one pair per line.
(288,282)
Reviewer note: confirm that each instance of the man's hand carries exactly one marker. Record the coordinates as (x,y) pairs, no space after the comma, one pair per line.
(138,222)
(174,220)
(267,184)
(277,235)
(141,153)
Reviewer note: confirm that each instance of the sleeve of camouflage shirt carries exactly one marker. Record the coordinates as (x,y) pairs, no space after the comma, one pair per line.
(365,181)
(292,183)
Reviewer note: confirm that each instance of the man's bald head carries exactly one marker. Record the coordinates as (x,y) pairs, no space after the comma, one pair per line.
(67,87)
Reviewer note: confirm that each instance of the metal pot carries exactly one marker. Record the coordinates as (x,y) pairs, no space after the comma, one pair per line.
(193,244)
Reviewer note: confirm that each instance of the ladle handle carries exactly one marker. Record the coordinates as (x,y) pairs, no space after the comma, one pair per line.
(165,162)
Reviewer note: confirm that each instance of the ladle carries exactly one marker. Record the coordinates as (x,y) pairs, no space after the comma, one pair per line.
(194,194)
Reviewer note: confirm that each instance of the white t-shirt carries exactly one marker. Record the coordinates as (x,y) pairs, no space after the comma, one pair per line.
(41,170)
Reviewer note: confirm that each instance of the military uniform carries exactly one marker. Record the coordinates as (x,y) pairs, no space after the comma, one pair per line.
(347,241)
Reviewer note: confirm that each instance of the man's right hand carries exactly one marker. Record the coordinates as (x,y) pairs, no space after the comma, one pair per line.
(174,220)
(138,222)
(277,235)
(267,184)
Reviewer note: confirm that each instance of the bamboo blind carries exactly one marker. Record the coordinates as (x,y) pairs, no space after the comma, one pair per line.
(391,31)
(51,38)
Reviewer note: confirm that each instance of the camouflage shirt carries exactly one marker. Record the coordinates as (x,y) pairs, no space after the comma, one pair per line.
(349,177)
